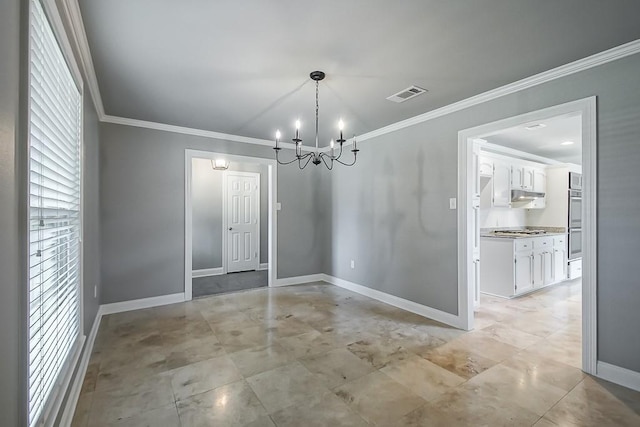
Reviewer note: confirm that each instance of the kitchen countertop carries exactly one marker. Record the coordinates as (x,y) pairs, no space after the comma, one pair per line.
(492,235)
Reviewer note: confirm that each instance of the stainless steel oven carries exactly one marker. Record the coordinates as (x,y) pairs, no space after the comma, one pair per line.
(574,243)
(575,181)
(575,209)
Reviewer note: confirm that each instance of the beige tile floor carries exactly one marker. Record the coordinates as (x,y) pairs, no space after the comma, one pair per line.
(318,355)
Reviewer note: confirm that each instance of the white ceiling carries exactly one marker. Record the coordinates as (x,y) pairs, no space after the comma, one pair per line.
(241,67)
(545,141)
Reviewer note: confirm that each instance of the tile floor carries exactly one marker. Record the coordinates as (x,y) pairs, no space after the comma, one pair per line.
(318,355)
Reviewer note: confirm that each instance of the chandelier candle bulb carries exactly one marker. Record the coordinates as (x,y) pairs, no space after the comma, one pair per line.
(331,144)
(277,138)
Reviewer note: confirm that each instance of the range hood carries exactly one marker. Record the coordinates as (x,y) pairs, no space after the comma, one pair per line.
(525,196)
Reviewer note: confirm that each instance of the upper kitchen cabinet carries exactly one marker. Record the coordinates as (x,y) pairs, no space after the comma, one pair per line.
(539,186)
(508,175)
(521,177)
(485,166)
(501,184)
(539,181)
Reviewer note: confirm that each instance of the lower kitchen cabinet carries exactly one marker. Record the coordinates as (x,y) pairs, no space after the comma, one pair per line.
(512,267)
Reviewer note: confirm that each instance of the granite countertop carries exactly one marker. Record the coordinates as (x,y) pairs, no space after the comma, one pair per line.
(549,231)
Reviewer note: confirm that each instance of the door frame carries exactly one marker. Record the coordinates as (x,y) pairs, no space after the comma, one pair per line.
(191,154)
(587,109)
(225,206)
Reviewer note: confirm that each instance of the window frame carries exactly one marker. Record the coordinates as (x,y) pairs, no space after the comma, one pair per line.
(53,402)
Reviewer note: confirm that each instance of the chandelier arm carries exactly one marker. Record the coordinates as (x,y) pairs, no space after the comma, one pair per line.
(285,163)
(348,164)
(339,154)
(324,160)
(308,156)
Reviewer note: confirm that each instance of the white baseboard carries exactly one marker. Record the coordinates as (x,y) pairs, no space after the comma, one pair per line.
(76,388)
(263,266)
(298,280)
(616,374)
(119,307)
(414,307)
(207,272)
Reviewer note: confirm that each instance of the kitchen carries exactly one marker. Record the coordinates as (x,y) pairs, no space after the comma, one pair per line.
(530,208)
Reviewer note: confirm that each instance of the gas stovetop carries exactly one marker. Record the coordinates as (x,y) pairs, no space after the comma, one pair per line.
(520,232)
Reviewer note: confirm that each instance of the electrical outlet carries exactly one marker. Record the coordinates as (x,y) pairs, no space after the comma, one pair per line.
(452,203)
(95,291)
(353,264)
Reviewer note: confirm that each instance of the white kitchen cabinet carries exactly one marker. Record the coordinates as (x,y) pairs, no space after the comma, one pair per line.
(527,178)
(559,258)
(539,186)
(485,166)
(512,267)
(539,181)
(517,177)
(501,184)
(524,275)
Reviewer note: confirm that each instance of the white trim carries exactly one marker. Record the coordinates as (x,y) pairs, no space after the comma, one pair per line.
(616,374)
(72,14)
(192,131)
(263,266)
(205,272)
(413,307)
(137,304)
(299,280)
(76,388)
(590,237)
(225,219)
(587,109)
(601,58)
(53,14)
(189,155)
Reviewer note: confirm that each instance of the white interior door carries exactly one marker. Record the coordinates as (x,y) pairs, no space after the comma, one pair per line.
(242,221)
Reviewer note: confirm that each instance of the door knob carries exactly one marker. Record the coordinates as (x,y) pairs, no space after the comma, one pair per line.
(230,228)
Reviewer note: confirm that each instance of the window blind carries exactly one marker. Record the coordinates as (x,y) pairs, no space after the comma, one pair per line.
(54,216)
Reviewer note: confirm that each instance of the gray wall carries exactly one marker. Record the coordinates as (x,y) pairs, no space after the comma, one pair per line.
(91,204)
(142,211)
(11,368)
(206,208)
(390,213)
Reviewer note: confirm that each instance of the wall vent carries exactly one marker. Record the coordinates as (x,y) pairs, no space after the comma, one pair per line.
(406,94)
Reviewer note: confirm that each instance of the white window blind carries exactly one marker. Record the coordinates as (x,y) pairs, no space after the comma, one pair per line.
(54,217)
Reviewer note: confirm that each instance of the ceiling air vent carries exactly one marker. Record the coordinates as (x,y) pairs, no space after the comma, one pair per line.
(408,93)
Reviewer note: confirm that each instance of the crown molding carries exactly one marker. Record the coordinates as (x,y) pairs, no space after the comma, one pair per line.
(601,58)
(71,10)
(73,15)
(192,131)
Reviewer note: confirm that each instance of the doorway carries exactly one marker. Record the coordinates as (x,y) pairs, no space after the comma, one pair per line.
(230,223)
(470,194)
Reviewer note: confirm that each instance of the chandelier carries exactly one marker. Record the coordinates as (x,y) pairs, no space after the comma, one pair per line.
(316,157)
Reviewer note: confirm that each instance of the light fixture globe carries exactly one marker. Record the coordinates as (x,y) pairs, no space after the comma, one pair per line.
(316,157)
